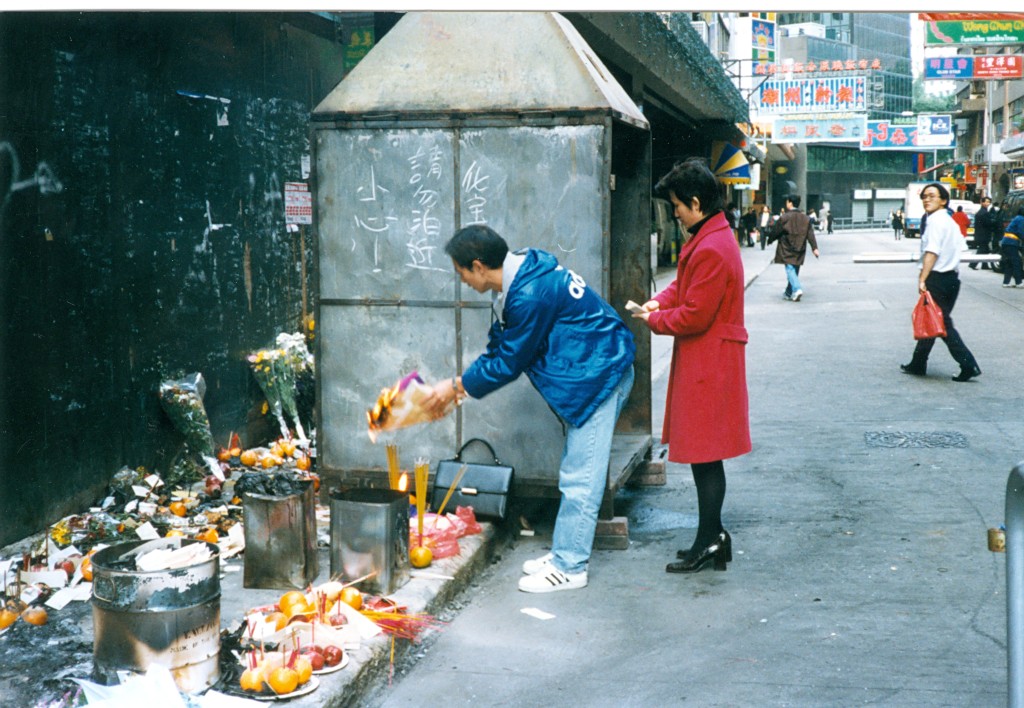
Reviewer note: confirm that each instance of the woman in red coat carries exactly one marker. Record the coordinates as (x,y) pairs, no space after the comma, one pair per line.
(706,415)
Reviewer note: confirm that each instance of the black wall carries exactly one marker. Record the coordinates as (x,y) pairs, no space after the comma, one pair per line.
(112,169)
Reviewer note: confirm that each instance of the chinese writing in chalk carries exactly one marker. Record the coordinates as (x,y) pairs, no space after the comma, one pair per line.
(373,218)
(424,174)
(474,185)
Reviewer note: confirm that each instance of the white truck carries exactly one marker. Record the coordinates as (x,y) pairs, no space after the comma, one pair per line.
(913,210)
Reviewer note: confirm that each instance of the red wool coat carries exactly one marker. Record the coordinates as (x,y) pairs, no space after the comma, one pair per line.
(706,414)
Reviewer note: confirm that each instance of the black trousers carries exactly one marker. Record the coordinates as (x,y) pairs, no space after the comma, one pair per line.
(944,288)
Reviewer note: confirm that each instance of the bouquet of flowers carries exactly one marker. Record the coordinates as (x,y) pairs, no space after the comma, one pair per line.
(401,406)
(276,371)
(182,400)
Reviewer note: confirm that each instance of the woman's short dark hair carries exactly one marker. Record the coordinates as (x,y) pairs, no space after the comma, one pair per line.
(477,242)
(692,178)
(940,188)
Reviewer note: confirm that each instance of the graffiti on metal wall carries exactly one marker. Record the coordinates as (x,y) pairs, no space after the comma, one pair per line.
(44,178)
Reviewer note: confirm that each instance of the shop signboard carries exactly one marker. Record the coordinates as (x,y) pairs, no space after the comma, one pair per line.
(886,135)
(935,130)
(820,129)
(974,68)
(832,94)
(985,30)
(763,40)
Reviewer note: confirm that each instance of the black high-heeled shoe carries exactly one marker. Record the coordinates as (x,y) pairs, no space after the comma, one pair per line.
(726,540)
(717,552)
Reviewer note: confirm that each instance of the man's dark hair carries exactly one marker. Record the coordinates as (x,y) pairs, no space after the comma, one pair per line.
(692,178)
(794,199)
(940,188)
(477,242)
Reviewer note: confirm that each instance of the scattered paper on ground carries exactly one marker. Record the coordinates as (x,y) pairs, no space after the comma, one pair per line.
(539,614)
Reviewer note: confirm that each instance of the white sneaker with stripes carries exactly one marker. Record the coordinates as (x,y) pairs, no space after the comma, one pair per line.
(550,579)
(534,564)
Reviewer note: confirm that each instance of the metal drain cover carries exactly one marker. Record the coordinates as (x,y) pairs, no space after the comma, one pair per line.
(939,438)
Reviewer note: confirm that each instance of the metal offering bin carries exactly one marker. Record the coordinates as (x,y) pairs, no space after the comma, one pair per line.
(370,534)
(166,617)
(280,539)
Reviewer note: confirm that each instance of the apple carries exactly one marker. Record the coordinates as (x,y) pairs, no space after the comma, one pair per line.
(332,655)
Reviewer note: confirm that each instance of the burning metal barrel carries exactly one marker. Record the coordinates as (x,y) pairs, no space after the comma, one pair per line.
(370,535)
(169,617)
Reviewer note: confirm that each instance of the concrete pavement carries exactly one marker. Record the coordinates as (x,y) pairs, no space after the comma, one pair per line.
(861,573)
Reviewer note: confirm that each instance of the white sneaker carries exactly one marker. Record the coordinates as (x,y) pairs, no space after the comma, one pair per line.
(532,566)
(551,579)
(797,295)
(1006,285)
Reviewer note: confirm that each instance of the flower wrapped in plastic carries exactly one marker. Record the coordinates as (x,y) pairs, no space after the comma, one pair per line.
(182,400)
(277,370)
(402,406)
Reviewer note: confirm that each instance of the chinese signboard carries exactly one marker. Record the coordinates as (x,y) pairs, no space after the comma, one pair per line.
(886,135)
(995,29)
(298,203)
(965,68)
(360,41)
(820,129)
(763,40)
(839,94)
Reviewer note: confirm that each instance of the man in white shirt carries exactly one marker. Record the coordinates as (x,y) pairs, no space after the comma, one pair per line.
(941,244)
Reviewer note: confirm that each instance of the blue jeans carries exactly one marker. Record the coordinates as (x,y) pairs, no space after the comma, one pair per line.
(793,282)
(582,480)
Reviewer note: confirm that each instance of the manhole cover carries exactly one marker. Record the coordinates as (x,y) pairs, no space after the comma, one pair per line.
(909,439)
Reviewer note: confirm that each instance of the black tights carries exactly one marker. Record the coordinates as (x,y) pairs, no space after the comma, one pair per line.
(710,480)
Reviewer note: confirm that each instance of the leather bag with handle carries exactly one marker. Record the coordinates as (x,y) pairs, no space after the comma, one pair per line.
(927,318)
(484,486)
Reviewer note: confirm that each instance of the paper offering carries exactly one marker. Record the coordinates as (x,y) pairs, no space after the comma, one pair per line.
(633,307)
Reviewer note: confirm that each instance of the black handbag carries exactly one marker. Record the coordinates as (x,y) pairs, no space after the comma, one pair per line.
(485,487)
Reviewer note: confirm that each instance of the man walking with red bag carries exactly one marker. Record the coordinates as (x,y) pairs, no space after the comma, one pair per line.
(940,258)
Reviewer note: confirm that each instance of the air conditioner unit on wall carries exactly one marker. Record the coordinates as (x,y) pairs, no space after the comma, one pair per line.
(701,27)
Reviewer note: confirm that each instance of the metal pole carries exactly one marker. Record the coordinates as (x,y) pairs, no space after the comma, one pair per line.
(1015,587)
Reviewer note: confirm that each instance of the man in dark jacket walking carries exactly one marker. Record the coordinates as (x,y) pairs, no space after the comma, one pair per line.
(578,354)
(793,231)
(983,231)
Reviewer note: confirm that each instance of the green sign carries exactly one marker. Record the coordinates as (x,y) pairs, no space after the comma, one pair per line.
(945,33)
(360,41)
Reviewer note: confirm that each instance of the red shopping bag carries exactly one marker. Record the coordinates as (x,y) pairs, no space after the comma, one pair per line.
(927,318)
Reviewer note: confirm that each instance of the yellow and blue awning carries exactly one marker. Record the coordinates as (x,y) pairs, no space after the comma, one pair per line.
(729,164)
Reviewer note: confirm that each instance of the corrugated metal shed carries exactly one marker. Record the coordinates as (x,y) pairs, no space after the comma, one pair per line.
(445,62)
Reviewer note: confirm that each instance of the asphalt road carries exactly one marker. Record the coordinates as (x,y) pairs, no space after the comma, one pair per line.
(861,573)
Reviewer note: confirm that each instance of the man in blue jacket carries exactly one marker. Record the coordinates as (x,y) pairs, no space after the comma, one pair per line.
(578,354)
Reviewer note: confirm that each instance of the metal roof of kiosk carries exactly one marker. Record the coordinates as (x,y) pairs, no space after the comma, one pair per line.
(443,62)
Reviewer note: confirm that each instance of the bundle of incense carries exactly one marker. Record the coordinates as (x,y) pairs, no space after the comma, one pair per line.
(422,470)
(393,469)
(451,490)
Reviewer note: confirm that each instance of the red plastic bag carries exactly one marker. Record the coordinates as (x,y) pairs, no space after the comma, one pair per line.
(927,318)
(440,535)
(468,517)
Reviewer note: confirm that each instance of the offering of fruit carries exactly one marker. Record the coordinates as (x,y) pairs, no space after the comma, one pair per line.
(315,656)
(289,599)
(333,655)
(248,458)
(7,618)
(283,680)
(420,557)
(352,597)
(209,535)
(302,461)
(278,619)
(303,667)
(252,680)
(35,615)
(177,508)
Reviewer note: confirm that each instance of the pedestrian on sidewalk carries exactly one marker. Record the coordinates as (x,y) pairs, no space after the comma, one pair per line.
(1010,246)
(793,231)
(940,258)
(750,225)
(578,354)
(963,220)
(766,222)
(706,412)
(897,223)
(983,231)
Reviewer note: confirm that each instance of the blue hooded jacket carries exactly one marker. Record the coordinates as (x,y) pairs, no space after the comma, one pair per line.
(572,345)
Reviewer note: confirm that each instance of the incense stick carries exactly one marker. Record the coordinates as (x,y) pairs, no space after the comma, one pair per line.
(451,490)
(393,468)
(422,470)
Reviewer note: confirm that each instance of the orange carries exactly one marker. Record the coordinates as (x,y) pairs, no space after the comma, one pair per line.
(420,557)
(290,599)
(352,597)
(276,450)
(302,461)
(279,619)
(287,448)
(86,568)
(7,618)
(223,455)
(171,533)
(252,680)
(304,668)
(35,615)
(209,535)
(177,508)
(248,458)
(283,680)
(235,451)
(271,461)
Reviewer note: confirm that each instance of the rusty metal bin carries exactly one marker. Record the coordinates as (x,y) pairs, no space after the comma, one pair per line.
(370,534)
(280,539)
(159,617)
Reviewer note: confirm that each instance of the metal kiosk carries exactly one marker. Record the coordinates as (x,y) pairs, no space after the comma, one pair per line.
(454,118)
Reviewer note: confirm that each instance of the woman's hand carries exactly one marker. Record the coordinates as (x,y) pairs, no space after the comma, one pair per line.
(649,307)
(440,396)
